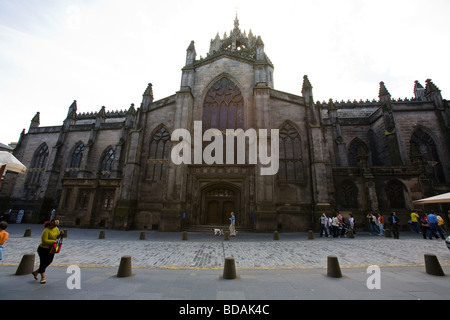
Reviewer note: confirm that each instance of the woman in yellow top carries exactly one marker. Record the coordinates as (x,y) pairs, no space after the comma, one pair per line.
(48,238)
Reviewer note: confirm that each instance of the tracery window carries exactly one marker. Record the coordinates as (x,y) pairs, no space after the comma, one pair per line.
(223,107)
(347,195)
(291,168)
(107,197)
(107,162)
(83,199)
(75,161)
(356,150)
(395,194)
(38,164)
(426,148)
(77,155)
(159,155)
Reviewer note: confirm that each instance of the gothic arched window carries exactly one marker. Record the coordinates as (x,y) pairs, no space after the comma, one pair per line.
(37,166)
(77,155)
(347,195)
(75,161)
(223,107)
(395,195)
(425,147)
(107,162)
(159,155)
(291,168)
(357,150)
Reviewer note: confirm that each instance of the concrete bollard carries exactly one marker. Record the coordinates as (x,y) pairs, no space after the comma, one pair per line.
(27,233)
(142,235)
(387,233)
(124,267)
(432,265)
(310,235)
(227,236)
(333,268)
(350,234)
(276,235)
(185,235)
(26,265)
(229,269)
(102,234)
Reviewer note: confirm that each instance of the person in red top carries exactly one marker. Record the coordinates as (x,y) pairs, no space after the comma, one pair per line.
(380,224)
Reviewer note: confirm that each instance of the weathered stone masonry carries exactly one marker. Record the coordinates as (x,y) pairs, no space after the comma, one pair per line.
(113,169)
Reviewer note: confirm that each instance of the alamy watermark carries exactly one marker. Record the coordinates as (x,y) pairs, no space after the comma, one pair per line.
(74,280)
(213,152)
(374,280)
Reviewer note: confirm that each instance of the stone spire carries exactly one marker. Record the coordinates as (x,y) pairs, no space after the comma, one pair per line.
(190,54)
(149,91)
(383,91)
(35,122)
(418,91)
(430,87)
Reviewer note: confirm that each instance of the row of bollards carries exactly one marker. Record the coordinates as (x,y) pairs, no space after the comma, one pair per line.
(432,266)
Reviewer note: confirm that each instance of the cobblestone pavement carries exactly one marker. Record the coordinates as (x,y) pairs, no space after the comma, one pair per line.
(250,250)
(165,267)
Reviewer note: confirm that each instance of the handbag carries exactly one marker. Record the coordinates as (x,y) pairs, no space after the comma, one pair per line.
(56,248)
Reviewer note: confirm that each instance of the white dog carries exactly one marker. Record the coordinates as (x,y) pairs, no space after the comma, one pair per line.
(218,232)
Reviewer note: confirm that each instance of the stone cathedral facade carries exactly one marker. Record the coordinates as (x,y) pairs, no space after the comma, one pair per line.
(114,169)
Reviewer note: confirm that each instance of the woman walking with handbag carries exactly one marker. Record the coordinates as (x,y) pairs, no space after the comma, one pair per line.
(48,238)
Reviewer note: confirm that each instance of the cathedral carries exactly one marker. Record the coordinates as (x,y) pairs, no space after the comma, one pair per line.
(131,169)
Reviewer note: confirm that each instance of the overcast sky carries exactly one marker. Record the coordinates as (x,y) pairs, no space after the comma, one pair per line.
(105,52)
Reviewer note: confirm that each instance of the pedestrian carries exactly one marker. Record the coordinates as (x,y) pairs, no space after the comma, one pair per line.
(380,224)
(425,226)
(372,223)
(323,225)
(232,225)
(351,221)
(395,225)
(433,221)
(415,222)
(48,238)
(329,227)
(441,222)
(335,226)
(3,237)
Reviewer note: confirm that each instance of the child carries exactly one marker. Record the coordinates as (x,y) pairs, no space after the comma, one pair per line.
(3,236)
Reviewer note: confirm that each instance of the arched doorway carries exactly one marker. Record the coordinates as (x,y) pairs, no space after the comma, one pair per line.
(218,202)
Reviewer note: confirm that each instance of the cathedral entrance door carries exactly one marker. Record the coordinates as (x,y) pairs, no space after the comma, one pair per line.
(219,203)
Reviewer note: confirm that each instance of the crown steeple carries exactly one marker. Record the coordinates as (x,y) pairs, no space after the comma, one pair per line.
(239,43)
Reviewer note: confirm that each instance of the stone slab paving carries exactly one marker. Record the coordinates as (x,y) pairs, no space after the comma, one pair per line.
(250,250)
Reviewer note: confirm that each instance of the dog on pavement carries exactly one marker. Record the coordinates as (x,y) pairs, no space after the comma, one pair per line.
(218,232)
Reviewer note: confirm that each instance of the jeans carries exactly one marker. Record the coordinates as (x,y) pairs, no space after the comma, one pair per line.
(380,226)
(322,229)
(415,227)
(373,228)
(433,228)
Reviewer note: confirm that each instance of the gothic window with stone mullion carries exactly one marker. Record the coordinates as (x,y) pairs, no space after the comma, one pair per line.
(291,168)
(159,155)
(107,163)
(38,164)
(75,161)
(223,108)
